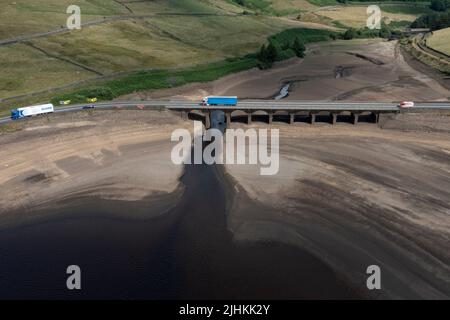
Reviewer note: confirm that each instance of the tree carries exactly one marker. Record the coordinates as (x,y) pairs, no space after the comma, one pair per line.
(267,56)
(349,34)
(262,55)
(286,45)
(434,21)
(272,52)
(263,59)
(385,32)
(299,48)
(440,5)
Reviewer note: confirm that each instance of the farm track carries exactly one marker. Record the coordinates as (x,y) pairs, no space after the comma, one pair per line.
(420,44)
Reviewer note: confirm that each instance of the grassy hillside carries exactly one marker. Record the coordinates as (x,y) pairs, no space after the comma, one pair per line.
(148,35)
(356,16)
(24,69)
(182,33)
(160,79)
(20,17)
(275,7)
(440,41)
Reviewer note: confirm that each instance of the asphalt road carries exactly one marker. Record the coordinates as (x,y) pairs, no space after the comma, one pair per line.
(255,105)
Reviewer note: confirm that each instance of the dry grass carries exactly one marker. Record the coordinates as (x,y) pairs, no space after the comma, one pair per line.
(161,42)
(286,6)
(356,16)
(20,17)
(123,45)
(440,41)
(24,69)
(432,60)
(315,18)
(226,35)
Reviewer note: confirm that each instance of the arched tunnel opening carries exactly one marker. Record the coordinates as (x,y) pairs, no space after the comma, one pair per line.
(260,116)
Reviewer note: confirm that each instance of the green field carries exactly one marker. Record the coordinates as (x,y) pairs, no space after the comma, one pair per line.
(275,7)
(323,3)
(407,8)
(145,80)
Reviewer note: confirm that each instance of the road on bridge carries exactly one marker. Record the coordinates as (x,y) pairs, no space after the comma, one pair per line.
(254,105)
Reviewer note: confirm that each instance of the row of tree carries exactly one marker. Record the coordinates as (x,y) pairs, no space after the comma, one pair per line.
(278,49)
(352,33)
(440,5)
(434,21)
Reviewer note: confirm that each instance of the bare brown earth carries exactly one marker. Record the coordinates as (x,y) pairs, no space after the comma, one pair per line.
(118,155)
(356,197)
(357,70)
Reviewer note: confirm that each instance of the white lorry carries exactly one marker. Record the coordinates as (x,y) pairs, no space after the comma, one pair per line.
(32,111)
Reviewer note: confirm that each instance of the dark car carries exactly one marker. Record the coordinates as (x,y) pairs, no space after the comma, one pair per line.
(88,107)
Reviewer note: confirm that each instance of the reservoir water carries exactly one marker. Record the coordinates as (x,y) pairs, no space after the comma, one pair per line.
(284,92)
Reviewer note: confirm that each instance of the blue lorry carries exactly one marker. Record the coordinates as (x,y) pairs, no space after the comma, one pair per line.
(219,101)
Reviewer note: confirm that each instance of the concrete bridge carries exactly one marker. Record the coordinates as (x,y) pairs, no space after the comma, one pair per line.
(289,110)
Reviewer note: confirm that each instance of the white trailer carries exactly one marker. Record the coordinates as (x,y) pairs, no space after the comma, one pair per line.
(32,111)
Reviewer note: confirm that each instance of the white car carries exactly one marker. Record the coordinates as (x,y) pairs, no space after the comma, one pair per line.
(406,104)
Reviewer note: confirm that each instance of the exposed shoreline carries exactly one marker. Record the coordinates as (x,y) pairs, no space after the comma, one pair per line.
(355,198)
(115,155)
(351,70)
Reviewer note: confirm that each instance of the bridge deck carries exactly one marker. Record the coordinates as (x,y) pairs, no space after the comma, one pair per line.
(271,105)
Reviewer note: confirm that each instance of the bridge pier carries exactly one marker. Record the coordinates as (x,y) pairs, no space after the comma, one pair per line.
(312,118)
(207,119)
(333,109)
(355,117)
(376,117)
(333,118)
(228,118)
(291,118)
